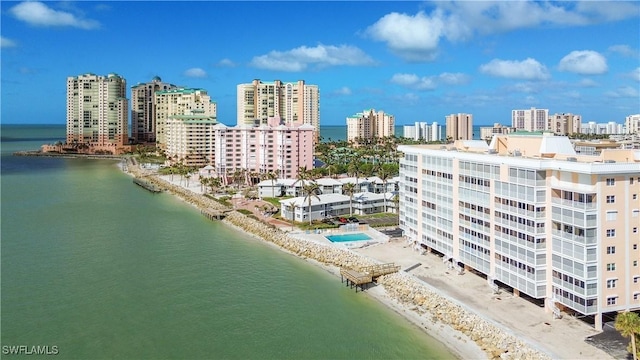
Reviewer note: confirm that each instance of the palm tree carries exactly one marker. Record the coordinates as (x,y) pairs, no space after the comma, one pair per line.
(355,169)
(271,175)
(384,175)
(628,324)
(214,183)
(302,177)
(311,190)
(349,188)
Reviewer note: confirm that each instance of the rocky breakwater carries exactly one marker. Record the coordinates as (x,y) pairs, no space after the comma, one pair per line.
(325,254)
(497,343)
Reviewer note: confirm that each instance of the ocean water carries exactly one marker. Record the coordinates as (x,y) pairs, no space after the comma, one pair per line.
(101,269)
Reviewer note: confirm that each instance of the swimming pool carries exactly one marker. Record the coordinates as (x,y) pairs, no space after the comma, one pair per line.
(348,237)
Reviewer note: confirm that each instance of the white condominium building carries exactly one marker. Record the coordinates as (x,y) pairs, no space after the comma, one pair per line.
(530,120)
(288,103)
(97,111)
(369,125)
(190,139)
(424,131)
(459,126)
(530,214)
(487,132)
(180,101)
(632,124)
(143,109)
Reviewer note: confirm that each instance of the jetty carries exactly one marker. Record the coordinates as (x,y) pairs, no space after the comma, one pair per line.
(212,214)
(366,275)
(147,185)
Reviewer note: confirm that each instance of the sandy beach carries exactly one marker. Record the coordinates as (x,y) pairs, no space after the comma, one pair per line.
(460,311)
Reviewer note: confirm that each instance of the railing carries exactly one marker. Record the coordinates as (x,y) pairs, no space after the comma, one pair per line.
(574,204)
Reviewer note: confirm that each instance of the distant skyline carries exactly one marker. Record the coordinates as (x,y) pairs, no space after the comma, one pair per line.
(418,61)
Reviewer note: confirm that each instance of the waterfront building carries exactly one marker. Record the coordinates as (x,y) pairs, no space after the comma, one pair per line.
(531,215)
(370,125)
(292,187)
(287,103)
(609,128)
(190,139)
(632,124)
(423,131)
(143,109)
(565,124)
(97,112)
(180,101)
(263,149)
(530,120)
(331,205)
(487,132)
(459,126)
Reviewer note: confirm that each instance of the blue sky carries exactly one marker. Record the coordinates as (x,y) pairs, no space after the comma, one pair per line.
(419,61)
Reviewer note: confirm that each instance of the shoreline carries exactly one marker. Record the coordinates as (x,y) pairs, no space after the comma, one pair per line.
(463,333)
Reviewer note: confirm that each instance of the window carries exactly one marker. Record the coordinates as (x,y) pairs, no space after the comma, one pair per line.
(635,262)
(630,181)
(611,250)
(635,196)
(635,246)
(611,232)
(612,300)
(611,199)
(611,182)
(635,230)
(612,215)
(635,296)
(635,279)
(635,213)
(611,283)
(611,267)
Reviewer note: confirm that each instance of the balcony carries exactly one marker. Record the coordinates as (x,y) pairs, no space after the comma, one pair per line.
(574,204)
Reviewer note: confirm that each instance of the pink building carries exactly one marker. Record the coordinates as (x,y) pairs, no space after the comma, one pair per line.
(254,150)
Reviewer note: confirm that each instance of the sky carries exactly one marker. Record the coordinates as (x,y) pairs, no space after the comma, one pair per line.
(418,61)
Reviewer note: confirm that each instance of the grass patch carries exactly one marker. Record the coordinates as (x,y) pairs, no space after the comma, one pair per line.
(275,201)
(245,211)
(223,200)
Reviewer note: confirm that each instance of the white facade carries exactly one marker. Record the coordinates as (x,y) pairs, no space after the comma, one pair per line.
(329,205)
(632,124)
(370,125)
(529,213)
(611,127)
(424,131)
(530,120)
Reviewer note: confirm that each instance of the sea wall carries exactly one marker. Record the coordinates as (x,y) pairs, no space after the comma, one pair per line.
(401,287)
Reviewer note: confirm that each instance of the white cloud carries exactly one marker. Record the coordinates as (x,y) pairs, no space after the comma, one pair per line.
(343,91)
(528,69)
(414,38)
(6,43)
(623,92)
(301,58)
(415,82)
(226,63)
(195,73)
(635,74)
(588,83)
(624,50)
(585,62)
(39,14)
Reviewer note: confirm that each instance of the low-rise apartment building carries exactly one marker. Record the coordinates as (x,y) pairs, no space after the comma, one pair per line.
(531,214)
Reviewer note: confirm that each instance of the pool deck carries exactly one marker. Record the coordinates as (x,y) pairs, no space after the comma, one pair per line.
(319,237)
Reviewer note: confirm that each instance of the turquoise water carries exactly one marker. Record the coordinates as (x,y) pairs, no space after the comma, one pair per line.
(103,269)
(348,237)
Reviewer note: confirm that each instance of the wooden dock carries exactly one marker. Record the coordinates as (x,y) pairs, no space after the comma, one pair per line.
(366,275)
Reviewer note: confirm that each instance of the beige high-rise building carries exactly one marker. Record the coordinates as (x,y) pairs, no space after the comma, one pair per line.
(532,216)
(180,101)
(370,125)
(289,103)
(530,120)
(143,109)
(459,126)
(565,124)
(97,111)
(487,132)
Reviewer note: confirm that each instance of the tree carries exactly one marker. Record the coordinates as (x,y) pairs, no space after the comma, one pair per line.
(271,175)
(628,324)
(384,175)
(355,168)
(349,188)
(311,190)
